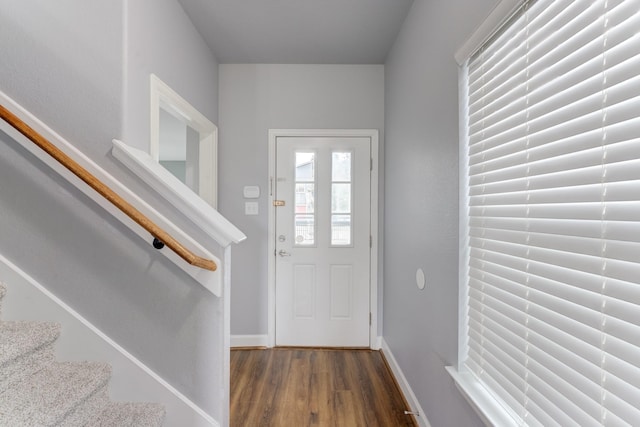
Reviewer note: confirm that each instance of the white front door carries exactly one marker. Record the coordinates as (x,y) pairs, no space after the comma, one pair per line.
(322,247)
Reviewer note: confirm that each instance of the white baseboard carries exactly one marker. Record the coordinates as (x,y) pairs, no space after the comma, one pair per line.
(412,400)
(249,341)
(132,380)
(378,344)
(263,341)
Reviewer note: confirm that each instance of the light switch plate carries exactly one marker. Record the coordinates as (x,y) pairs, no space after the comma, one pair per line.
(251,208)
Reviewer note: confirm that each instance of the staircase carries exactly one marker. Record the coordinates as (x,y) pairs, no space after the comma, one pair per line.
(37,390)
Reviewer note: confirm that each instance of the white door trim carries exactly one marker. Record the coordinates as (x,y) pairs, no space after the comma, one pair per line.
(373,291)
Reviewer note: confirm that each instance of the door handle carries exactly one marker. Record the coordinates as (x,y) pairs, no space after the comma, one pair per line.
(283,253)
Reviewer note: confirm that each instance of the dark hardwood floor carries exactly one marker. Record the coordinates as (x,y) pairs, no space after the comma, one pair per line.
(285,387)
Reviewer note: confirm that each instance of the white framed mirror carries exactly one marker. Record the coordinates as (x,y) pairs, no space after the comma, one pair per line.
(183,141)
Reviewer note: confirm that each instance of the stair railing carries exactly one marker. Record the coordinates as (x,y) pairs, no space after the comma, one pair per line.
(160,236)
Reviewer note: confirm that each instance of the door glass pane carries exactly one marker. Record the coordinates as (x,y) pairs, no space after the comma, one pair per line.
(305,167)
(340,230)
(341,167)
(341,198)
(304,215)
(305,230)
(305,197)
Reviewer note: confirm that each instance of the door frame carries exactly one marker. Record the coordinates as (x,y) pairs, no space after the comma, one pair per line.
(373,285)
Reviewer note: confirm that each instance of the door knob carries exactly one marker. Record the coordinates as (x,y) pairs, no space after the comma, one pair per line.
(282,252)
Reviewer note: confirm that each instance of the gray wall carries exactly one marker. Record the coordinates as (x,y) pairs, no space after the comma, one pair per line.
(421,187)
(70,63)
(162,40)
(253,99)
(63,61)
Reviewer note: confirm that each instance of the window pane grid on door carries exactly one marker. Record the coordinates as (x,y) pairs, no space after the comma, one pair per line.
(305,186)
(341,198)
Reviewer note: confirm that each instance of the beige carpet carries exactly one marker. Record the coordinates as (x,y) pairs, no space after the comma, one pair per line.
(38,390)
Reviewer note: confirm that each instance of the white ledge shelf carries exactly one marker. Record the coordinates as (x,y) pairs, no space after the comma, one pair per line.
(178,194)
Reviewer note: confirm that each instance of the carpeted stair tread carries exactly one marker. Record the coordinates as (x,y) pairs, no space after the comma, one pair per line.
(17,339)
(130,414)
(47,397)
(25,348)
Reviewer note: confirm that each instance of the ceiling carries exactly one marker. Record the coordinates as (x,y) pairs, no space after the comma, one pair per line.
(298,31)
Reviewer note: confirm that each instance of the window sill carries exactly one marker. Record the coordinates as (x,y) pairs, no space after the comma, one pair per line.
(489,410)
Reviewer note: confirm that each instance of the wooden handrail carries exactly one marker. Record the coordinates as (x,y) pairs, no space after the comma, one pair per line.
(105,191)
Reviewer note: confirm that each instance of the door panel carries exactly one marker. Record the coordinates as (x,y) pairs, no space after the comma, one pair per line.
(341,292)
(322,241)
(304,290)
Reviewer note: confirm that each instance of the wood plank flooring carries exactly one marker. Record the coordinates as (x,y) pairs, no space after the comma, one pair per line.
(284,387)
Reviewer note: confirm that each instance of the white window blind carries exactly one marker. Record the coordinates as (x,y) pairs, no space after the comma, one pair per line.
(553,104)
